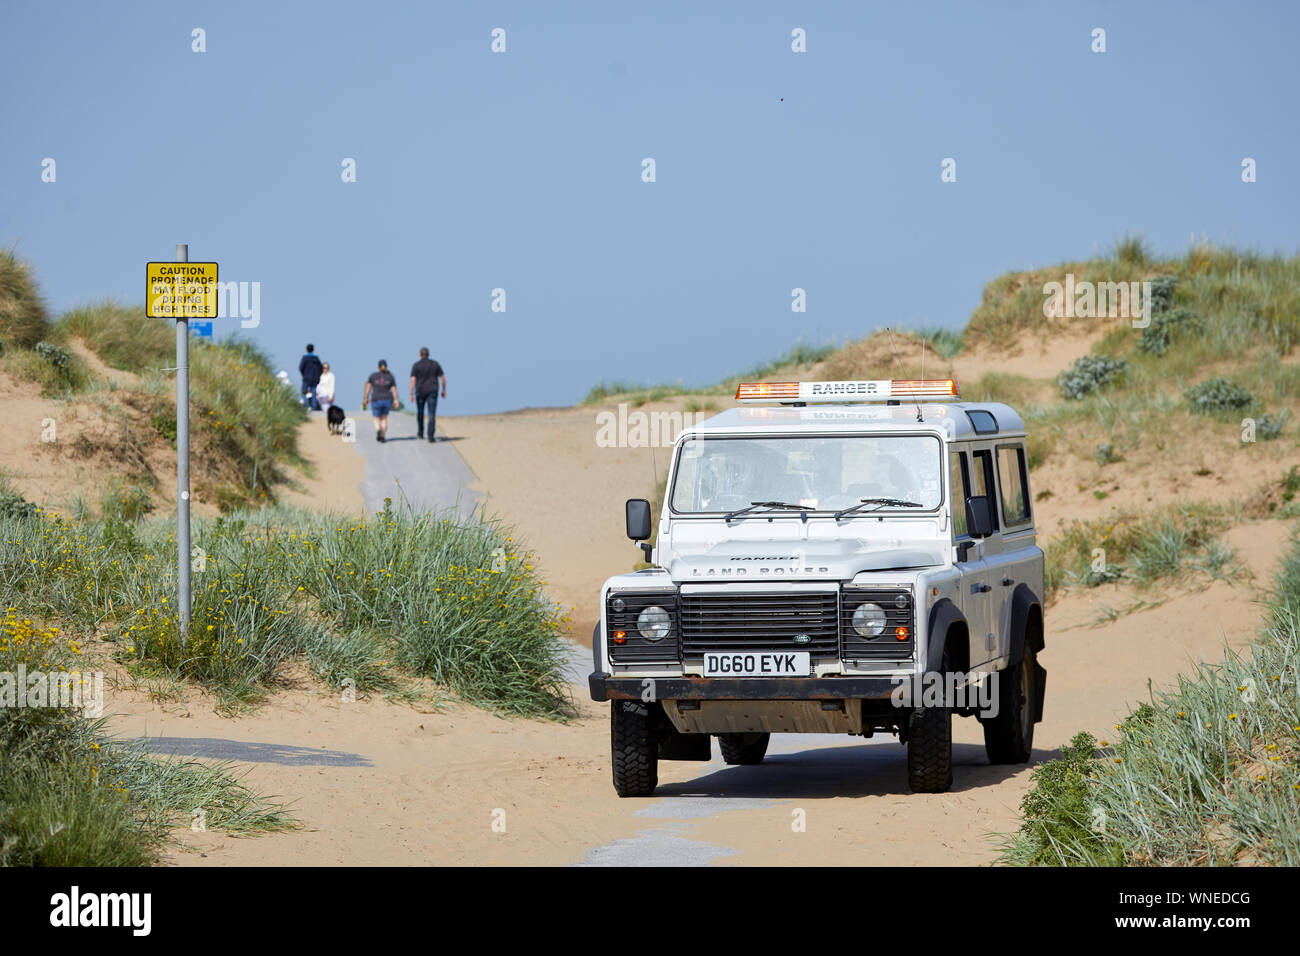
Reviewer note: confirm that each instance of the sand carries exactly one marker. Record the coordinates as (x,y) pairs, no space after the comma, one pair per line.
(375,782)
(379,782)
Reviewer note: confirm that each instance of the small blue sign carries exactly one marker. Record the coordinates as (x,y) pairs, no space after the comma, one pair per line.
(202,330)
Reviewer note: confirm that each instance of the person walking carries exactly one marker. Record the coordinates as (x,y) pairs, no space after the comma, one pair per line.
(325,387)
(310,370)
(381,395)
(425,376)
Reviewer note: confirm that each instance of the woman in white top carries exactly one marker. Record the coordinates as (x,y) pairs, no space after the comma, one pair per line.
(325,389)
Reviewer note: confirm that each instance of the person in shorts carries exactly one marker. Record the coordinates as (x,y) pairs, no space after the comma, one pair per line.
(425,376)
(381,395)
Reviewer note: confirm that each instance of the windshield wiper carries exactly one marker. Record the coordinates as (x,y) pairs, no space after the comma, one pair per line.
(879,503)
(762,504)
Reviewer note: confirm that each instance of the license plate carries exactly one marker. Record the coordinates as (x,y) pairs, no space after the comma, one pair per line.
(758,664)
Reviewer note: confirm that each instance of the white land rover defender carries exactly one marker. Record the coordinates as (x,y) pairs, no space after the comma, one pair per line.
(828,565)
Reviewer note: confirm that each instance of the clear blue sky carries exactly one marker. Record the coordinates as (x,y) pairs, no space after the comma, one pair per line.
(522,170)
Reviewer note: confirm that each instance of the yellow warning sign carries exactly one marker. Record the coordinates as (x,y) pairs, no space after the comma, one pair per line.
(182,290)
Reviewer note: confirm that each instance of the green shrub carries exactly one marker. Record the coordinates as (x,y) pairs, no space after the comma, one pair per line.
(165,425)
(1291,484)
(126,502)
(1111,574)
(1162,293)
(14,505)
(1088,374)
(1164,326)
(1218,395)
(1269,427)
(1059,823)
(1105,454)
(59,357)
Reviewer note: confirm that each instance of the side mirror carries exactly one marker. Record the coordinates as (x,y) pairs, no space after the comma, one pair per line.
(638,519)
(979,516)
(638,523)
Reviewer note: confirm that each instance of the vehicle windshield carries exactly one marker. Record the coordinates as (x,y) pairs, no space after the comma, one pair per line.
(821,473)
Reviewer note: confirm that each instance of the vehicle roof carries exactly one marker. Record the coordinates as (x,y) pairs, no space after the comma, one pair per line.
(876,417)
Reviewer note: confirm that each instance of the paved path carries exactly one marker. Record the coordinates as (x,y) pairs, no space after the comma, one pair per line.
(429,476)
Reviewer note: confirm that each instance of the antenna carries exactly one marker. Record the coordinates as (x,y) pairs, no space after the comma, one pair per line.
(890,332)
(895,351)
(918,403)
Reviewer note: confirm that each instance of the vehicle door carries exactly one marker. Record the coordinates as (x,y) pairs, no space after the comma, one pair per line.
(1018,554)
(964,478)
(983,581)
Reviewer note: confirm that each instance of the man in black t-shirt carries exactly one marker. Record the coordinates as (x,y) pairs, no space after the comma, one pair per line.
(381,395)
(425,376)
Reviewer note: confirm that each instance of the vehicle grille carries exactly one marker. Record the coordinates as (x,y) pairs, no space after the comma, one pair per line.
(886,647)
(767,621)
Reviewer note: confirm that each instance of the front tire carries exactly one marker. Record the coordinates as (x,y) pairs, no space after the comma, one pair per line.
(743,749)
(634,747)
(929,749)
(1009,737)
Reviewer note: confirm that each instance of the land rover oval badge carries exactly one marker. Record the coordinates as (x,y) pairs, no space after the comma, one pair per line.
(802,639)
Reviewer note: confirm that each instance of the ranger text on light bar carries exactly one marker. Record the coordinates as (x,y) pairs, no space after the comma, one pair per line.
(876,390)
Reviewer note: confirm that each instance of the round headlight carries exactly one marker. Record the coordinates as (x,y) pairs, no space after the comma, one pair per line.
(654,623)
(869,619)
(618,604)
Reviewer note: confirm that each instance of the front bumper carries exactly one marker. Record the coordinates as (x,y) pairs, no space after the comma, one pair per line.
(605,687)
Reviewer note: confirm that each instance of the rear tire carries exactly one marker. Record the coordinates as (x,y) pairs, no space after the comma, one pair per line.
(744,749)
(634,747)
(929,749)
(1009,737)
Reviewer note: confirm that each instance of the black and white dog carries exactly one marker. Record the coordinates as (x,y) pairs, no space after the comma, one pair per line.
(334,419)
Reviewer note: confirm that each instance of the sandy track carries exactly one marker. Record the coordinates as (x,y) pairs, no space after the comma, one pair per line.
(375,782)
(380,783)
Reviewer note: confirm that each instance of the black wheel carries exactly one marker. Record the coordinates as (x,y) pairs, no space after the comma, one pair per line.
(634,746)
(929,749)
(1009,737)
(743,748)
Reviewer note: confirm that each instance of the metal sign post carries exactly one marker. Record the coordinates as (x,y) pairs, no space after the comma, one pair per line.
(183,462)
(182,292)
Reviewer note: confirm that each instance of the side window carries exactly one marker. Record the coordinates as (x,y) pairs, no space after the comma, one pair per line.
(957,475)
(981,478)
(1012,484)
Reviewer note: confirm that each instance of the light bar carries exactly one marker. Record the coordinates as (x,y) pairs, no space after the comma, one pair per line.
(879,390)
(767,392)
